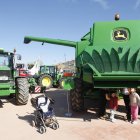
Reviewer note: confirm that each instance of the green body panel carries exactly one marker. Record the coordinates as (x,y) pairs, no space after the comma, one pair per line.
(7,92)
(4,85)
(32,81)
(108,55)
(69,83)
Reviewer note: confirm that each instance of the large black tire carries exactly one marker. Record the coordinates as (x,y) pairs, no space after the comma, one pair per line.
(22,91)
(76,97)
(45,80)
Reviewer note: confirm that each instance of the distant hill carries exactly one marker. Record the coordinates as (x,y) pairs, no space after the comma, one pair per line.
(67,65)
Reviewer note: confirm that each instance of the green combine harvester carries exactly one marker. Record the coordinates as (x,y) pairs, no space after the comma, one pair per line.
(10,81)
(108,56)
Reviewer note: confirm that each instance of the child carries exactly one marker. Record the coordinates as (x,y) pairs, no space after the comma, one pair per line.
(134,99)
(113,105)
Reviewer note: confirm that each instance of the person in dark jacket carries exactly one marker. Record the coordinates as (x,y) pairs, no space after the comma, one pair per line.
(102,104)
(126,92)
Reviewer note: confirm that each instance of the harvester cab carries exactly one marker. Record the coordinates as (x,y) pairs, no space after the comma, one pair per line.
(108,56)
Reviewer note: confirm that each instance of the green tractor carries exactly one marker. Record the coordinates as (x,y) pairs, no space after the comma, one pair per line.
(108,56)
(10,81)
(49,76)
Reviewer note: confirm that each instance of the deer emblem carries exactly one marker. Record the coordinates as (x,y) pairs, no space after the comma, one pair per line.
(119,35)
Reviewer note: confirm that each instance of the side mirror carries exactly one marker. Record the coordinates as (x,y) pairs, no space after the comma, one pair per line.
(18,57)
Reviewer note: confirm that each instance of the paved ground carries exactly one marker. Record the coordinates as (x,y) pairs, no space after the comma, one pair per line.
(15,123)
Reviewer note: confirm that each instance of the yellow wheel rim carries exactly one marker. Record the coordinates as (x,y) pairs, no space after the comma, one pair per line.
(46,81)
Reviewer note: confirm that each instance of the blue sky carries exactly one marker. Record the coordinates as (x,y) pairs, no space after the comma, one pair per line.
(60,19)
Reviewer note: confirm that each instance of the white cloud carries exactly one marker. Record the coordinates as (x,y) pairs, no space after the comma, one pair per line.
(103,3)
(137,4)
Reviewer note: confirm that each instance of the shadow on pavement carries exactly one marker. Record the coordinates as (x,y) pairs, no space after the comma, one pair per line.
(91,106)
(61,106)
(121,108)
(28,118)
(1,104)
(6,99)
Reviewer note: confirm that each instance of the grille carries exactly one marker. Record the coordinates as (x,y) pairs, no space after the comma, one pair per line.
(5,73)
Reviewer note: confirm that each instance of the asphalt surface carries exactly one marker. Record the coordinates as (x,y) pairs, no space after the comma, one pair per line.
(15,122)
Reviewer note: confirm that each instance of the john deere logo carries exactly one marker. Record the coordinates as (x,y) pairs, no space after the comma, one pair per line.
(120,35)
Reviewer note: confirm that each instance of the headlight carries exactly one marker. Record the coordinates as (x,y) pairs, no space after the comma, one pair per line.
(3,77)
